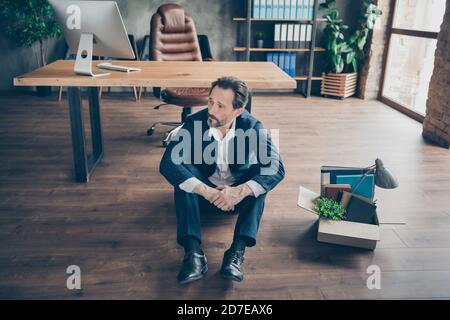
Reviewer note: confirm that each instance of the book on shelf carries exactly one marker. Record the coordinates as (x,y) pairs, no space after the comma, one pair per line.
(269,9)
(298,9)
(276,58)
(286,9)
(293,61)
(302,39)
(277,35)
(291,65)
(255,8)
(294,9)
(308,35)
(269,56)
(286,61)
(296,43)
(310,9)
(281,57)
(282,9)
(275,5)
(262,9)
(283,36)
(290,36)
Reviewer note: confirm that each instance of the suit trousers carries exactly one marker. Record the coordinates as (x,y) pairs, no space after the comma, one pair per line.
(189,207)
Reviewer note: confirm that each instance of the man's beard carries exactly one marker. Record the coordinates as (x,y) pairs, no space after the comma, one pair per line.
(214,122)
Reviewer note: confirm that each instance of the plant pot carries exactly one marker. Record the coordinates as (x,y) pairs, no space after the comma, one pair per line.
(340,85)
(260,43)
(44,91)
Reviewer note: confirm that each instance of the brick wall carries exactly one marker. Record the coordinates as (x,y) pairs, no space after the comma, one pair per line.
(371,70)
(436,127)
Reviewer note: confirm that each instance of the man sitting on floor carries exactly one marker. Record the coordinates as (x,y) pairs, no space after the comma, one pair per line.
(232,172)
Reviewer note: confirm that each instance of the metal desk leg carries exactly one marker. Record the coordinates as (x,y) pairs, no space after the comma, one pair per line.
(84,165)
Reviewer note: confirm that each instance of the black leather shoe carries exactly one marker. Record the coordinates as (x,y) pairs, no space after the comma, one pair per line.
(193,268)
(233,265)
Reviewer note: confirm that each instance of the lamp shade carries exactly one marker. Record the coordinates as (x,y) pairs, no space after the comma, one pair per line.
(384,177)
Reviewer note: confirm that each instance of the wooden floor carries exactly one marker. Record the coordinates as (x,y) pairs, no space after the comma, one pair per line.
(120,228)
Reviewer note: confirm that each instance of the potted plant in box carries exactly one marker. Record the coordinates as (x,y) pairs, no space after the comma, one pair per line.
(29,22)
(345,53)
(329,209)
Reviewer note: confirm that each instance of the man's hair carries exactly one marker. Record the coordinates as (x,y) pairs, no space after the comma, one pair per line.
(238,86)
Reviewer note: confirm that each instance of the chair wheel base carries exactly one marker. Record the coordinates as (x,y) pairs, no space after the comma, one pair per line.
(150,131)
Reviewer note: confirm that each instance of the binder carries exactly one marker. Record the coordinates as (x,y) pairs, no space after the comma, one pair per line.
(283,36)
(269,9)
(281,8)
(287,62)
(293,9)
(290,36)
(292,63)
(275,5)
(308,35)
(305,9)
(281,60)
(262,9)
(275,58)
(302,36)
(296,43)
(287,9)
(256,4)
(269,57)
(277,34)
(311,9)
(299,8)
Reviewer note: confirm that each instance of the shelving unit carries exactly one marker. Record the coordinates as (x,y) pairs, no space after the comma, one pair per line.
(248,49)
(241,49)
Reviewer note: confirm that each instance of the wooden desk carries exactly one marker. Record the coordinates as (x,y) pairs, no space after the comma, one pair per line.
(257,75)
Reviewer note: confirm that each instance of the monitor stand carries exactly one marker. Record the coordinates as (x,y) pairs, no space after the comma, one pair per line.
(83,62)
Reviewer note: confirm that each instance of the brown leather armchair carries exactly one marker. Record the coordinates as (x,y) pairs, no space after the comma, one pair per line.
(174,38)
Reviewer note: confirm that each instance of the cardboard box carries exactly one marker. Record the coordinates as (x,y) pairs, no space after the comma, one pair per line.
(347,233)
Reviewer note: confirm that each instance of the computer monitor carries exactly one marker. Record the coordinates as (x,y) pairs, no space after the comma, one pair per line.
(92,28)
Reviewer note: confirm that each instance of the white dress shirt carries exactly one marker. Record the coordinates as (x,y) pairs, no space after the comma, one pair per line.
(222,175)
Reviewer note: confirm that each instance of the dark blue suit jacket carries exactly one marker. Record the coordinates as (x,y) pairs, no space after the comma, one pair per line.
(257,160)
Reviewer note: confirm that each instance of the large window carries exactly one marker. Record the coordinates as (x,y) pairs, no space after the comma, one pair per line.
(410,57)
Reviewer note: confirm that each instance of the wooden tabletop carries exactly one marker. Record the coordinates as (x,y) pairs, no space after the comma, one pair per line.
(260,75)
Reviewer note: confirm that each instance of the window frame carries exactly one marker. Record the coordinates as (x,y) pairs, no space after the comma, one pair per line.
(408,32)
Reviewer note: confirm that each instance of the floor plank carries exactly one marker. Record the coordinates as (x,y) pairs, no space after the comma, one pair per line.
(120,228)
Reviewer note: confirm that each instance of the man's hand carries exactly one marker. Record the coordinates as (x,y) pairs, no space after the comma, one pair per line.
(207,192)
(229,197)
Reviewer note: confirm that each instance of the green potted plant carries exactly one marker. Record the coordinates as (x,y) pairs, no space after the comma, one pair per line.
(28,22)
(345,52)
(259,39)
(329,209)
